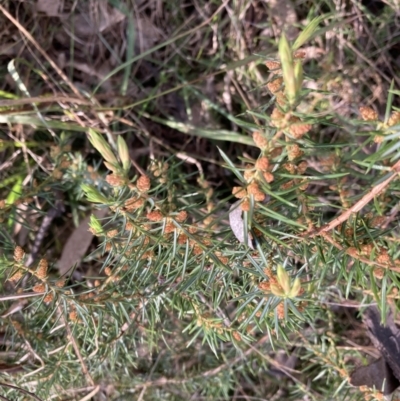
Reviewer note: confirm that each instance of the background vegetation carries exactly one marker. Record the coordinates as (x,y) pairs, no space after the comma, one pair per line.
(195,206)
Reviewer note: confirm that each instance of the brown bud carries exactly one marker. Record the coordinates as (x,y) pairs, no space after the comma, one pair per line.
(155,215)
(294,152)
(112,233)
(298,130)
(248,174)
(276,152)
(262,163)
(268,177)
(368,114)
(133,203)
(236,335)
(302,167)
(129,226)
(352,251)
(143,183)
(290,167)
(299,54)
(60,283)
(280,311)
(265,286)
(239,192)
(73,316)
(260,140)
(383,257)
(39,288)
(379,273)
(169,228)
(304,185)
(245,205)
(377,221)
(41,271)
(275,85)
(48,298)
(18,254)
(254,189)
(287,185)
(16,276)
(182,239)
(277,118)
(115,180)
(280,99)
(273,65)
(181,216)
(394,118)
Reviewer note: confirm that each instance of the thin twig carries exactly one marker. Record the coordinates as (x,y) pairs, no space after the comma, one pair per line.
(360,204)
(89,396)
(21,390)
(45,99)
(367,261)
(55,211)
(19,296)
(76,348)
(162,381)
(41,51)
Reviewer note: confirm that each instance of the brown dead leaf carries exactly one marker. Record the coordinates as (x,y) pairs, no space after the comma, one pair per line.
(50,7)
(78,243)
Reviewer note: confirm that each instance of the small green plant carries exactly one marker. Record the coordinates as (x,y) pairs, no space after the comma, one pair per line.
(179,271)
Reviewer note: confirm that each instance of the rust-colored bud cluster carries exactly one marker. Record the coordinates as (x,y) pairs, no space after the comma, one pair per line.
(368,114)
(260,140)
(112,233)
(300,54)
(60,283)
(48,298)
(294,126)
(40,287)
(255,190)
(394,118)
(41,271)
(262,164)
(133,204)
(274,65)
(254,175)
(275,85)
(16,276)
(115,180)
(280,310)
(143,183)
(160,170)
(294,152)
(181,216)
(379,273)
(18,254)
(278,118)
(297,128)
(155,215)
(236,335)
